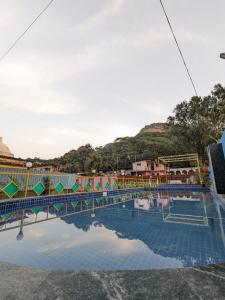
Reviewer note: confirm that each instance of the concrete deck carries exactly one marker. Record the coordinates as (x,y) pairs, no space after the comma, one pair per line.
(189,283)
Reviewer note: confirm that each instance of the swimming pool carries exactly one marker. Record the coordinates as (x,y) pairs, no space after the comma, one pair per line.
(135,231)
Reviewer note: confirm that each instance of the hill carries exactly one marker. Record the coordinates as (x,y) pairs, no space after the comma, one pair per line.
(152,141)
(194,125)
(155,127)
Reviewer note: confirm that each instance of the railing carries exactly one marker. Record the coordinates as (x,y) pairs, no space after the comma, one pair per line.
(36,214)
(22,183)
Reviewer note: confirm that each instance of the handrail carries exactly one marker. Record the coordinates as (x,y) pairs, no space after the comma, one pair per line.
(28,184)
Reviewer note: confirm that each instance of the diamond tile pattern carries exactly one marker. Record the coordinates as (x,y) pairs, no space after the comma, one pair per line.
(120,185)
(115,186)
(11,189)
(58,206)
(99,186)
(39,189)
(59,188)
(87,201)
(75,187)
(107,186)
(88,186)
(74,203)
(85,242)
(36,209)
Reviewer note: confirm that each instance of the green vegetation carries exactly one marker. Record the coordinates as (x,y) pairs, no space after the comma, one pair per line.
(194,125)
(120,154)
(200,121)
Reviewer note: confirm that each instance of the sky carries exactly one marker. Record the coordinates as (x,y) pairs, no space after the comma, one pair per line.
(90,71)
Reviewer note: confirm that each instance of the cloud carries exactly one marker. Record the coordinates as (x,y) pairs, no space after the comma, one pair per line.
(111,8)
(64,78)
(24,88)
(39,101)
(99,234)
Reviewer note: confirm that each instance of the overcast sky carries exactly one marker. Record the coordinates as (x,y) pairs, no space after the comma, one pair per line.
(92,70)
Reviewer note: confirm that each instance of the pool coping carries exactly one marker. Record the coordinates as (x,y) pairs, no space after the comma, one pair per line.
(184,283)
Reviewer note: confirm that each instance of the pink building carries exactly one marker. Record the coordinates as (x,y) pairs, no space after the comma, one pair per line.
(149,168)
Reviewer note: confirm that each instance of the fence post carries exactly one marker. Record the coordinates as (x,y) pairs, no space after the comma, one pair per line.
(49,185)
(27,184)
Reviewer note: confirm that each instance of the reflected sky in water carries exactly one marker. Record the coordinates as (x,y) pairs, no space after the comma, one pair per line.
(150,231)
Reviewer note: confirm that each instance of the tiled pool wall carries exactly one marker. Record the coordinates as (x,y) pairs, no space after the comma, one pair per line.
(26,203)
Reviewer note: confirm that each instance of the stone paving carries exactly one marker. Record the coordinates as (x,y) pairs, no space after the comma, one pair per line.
(188,283)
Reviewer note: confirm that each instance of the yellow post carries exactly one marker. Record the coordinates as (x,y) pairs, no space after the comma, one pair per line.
(49,186)
(93,183)
(158,171)
(199,170)
(27,184)
(166,173)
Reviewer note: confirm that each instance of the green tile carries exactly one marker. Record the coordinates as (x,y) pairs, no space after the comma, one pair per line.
(36,209)
(74,203)
(120,185)
(11,189)
(59,187)
(99,186)
(39,188)
(58,206)
(115,185)
(87,201)
(75,187)
(6,216)
(88,186)
(107,186)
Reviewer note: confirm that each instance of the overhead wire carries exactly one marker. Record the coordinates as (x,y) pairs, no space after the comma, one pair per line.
(179,48)
(25,31)
(49,4)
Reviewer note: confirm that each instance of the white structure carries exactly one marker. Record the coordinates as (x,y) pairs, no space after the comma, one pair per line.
(144,204)
(182,171)
(4,149)
(148,167)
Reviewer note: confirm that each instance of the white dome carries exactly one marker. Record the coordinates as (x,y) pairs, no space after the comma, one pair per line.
(4,149)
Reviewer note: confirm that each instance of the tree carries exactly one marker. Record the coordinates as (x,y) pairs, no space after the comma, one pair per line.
(93,162)
(200,121)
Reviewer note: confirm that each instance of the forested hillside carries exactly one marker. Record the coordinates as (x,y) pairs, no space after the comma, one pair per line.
(193,125)
(121,153)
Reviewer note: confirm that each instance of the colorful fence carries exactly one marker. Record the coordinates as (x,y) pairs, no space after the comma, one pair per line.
(22,183)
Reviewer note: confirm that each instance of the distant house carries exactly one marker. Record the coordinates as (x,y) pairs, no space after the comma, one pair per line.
(148,168)
(46,168)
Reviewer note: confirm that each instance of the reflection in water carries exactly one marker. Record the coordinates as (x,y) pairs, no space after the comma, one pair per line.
(138,231)
(20,235)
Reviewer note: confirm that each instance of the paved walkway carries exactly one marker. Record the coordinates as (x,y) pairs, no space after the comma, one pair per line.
(190,283)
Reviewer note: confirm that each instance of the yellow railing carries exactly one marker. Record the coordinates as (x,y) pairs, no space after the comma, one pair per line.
(22,183)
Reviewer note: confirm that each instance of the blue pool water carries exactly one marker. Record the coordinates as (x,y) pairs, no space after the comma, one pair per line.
(137,231)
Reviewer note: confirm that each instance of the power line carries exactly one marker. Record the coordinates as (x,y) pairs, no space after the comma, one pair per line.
(25,31)
(179,49)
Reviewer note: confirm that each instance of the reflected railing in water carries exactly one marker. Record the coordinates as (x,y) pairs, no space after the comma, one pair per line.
(134,217)
(172,207)
(39,214)
(177,211)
